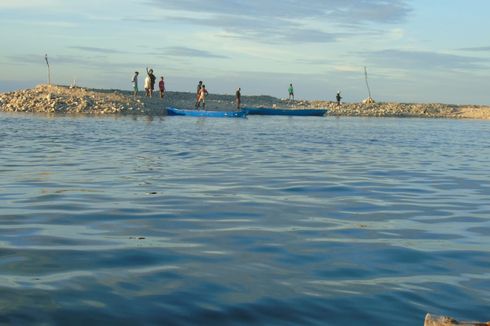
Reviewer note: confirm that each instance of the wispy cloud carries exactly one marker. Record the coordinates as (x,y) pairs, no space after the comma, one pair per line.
(56,59)
(285,21)
(182,51)
(143,20)
(270,31)
(8,4)
(97,50)
(356,12)
(402,59)
(477,49)
(380,11)
(88,62)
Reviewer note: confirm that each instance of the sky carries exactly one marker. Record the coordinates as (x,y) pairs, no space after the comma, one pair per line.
(414,50)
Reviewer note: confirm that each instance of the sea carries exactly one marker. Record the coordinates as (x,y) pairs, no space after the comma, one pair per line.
(141,220)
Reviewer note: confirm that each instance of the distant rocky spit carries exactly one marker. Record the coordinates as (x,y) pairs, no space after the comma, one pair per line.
(77,100)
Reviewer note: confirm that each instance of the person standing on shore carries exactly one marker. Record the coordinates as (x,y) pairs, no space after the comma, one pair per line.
(152,80)
(135,83)
(198,93)
(238,97)
(147,85)
(291,92)
(202,97)
(161,86)
(338,97)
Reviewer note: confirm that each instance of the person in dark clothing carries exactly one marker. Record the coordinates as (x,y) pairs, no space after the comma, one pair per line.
(238,97)
(338,97)
(152,80)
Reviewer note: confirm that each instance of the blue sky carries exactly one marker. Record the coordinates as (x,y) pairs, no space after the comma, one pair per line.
(414,50)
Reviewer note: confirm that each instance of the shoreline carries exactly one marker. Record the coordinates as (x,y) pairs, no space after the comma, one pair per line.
(63,99)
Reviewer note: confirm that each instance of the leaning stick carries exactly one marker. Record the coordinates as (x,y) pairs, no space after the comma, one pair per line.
(49,70)
(367,84)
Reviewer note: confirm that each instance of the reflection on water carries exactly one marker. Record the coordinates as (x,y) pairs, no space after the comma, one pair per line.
(269,220)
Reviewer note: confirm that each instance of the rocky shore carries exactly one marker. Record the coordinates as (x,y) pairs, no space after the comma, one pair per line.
(77,100)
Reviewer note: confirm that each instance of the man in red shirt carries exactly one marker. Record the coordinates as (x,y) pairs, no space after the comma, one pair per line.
(161,85)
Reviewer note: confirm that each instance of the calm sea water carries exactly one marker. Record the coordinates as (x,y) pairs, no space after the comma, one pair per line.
(265,220)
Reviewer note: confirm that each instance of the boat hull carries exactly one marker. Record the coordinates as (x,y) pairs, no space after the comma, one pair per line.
(291,112)
(204,113)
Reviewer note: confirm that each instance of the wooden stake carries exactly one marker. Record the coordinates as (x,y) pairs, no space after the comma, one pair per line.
(49,70)
(367,84)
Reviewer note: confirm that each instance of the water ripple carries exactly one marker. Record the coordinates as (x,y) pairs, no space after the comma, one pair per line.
(257,221)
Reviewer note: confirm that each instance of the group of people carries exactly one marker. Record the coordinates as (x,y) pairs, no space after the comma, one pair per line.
(201,94)
(149,84)
(201,91)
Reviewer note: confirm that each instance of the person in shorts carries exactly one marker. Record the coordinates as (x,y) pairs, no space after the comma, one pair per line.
(161,86)
(152,81)
(291,92)
(135,83)
(148,85)
(202,97)
(198,93)
(338,97)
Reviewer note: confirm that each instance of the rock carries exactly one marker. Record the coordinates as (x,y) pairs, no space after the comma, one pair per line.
(447,321)
(44,98)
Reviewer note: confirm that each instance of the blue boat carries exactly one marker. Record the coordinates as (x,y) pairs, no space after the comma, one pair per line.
(204,113)
(294,112)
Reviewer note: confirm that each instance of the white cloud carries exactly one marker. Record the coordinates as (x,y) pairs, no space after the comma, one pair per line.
(425,60)
(289,21)
(348,68)
(9,4)
(397,34)
(344,10)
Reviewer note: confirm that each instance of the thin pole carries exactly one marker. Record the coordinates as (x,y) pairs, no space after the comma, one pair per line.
(49,70)
(367,84)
